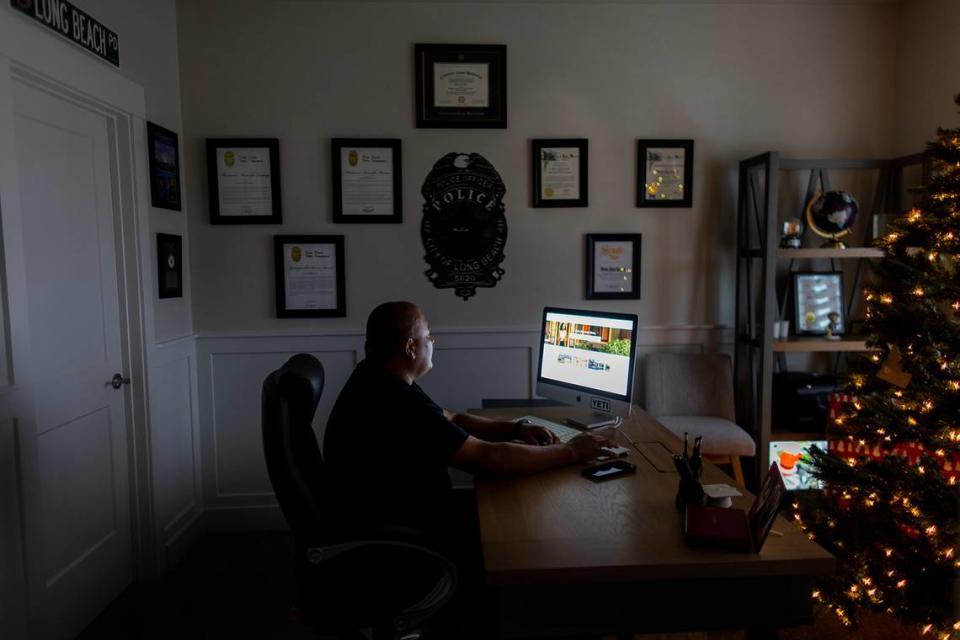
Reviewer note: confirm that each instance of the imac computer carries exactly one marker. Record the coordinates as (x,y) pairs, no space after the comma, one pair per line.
(587,359)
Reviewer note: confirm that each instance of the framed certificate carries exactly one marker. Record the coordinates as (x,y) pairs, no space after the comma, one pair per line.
(169,266)
(244,179)
(613,266)
(367,180)
(461,85)
(665,173)
(559,173)
(818,301)
(163,149)
(310,277)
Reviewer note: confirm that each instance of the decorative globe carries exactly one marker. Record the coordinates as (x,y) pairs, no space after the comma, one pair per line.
(831,215)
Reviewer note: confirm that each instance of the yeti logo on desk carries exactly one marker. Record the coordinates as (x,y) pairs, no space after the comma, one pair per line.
(600,404)
(464,229)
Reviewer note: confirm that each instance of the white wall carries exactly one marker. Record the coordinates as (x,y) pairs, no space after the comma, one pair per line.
(928,71)
(810,80)
(149,56)
(807,80)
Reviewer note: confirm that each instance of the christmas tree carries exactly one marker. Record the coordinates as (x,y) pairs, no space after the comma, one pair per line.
(890,504)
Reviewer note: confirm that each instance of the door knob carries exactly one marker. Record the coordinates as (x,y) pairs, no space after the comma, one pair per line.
(118,381)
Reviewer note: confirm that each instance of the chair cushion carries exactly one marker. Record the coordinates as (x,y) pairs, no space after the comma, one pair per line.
(720,437)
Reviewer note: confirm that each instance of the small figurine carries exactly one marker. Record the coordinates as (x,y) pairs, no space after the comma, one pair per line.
(792,231)
(833,327)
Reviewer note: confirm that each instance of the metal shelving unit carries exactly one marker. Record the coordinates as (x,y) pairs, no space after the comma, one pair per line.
(757,354)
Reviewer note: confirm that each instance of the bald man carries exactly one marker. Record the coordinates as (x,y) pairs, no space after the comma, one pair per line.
(388,445)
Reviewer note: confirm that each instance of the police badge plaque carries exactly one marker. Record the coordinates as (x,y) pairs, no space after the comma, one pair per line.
(464,229)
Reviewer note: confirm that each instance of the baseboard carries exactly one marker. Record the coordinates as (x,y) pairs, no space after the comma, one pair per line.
(185,538)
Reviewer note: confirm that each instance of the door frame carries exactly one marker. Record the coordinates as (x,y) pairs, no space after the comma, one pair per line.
(30,55)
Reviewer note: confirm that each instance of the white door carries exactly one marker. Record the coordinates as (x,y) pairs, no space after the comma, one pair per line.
(76,490)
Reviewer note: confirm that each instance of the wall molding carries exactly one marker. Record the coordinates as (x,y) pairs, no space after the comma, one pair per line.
(491,362)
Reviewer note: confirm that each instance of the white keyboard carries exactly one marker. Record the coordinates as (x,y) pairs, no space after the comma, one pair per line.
(562,431)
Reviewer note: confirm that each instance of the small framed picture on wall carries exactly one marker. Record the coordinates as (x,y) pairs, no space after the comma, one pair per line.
(163,150)
(559,172)
(244,180)
(665,173)
(309,276)
(367,180)
(169,266)
(613,266)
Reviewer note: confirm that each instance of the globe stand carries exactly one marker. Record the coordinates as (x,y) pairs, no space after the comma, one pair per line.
(834,242)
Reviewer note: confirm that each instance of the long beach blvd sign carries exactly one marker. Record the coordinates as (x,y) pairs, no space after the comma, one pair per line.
(73,24)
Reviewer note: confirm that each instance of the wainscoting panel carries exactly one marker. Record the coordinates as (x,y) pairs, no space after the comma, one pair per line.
(468,366)
(172,442)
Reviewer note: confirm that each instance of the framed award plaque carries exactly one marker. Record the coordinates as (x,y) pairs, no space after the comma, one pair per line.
(559,173)
(461,85)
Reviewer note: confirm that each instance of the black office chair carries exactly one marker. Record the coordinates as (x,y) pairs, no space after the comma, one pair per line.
(377,581)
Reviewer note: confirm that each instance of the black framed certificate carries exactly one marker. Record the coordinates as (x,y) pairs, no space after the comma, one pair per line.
(310,277)
(244,180)
(163,151)
(665,173)
(613,266)
(559,172)
(169,266)
(367,180)
(461,85)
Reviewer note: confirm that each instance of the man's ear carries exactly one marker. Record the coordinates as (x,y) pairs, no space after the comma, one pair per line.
(409,348)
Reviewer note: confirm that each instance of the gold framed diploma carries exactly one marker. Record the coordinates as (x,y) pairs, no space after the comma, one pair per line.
(244,180)
(310,280)
(665,173)
(613,266)
(559,172)
(461,85)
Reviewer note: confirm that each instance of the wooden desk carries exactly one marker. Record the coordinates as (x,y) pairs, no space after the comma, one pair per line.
(567,556)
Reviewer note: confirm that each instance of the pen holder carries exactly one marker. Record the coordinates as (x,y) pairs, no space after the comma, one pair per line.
(689,492)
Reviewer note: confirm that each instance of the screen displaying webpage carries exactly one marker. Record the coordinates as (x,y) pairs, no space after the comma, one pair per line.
(587,351)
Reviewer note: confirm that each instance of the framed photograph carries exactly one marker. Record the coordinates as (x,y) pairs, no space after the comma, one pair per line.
(461,85)
(559,172)
(613,266)
(665,173)
(367,180)
(169,266)
(310,277)
(818,300)
(164,158)
(244,178)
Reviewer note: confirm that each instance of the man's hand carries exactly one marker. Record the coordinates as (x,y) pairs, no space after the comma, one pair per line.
(587,446)
(535,434)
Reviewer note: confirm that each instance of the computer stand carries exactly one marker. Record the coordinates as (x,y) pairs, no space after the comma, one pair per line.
(593,421)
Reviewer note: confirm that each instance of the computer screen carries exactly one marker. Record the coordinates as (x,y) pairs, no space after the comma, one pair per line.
(587,358)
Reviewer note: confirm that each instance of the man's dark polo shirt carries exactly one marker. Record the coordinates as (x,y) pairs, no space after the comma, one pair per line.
(386,446)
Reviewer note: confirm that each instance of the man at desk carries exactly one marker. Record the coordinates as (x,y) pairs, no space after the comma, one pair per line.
(388,445)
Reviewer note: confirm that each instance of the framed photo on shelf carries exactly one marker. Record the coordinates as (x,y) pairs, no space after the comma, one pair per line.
(613,266)
(169,266)
(244,180)
(665,173)
(818,300)
(367,180)
(163,150)
(309,276)
(559,172)
(461,85)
